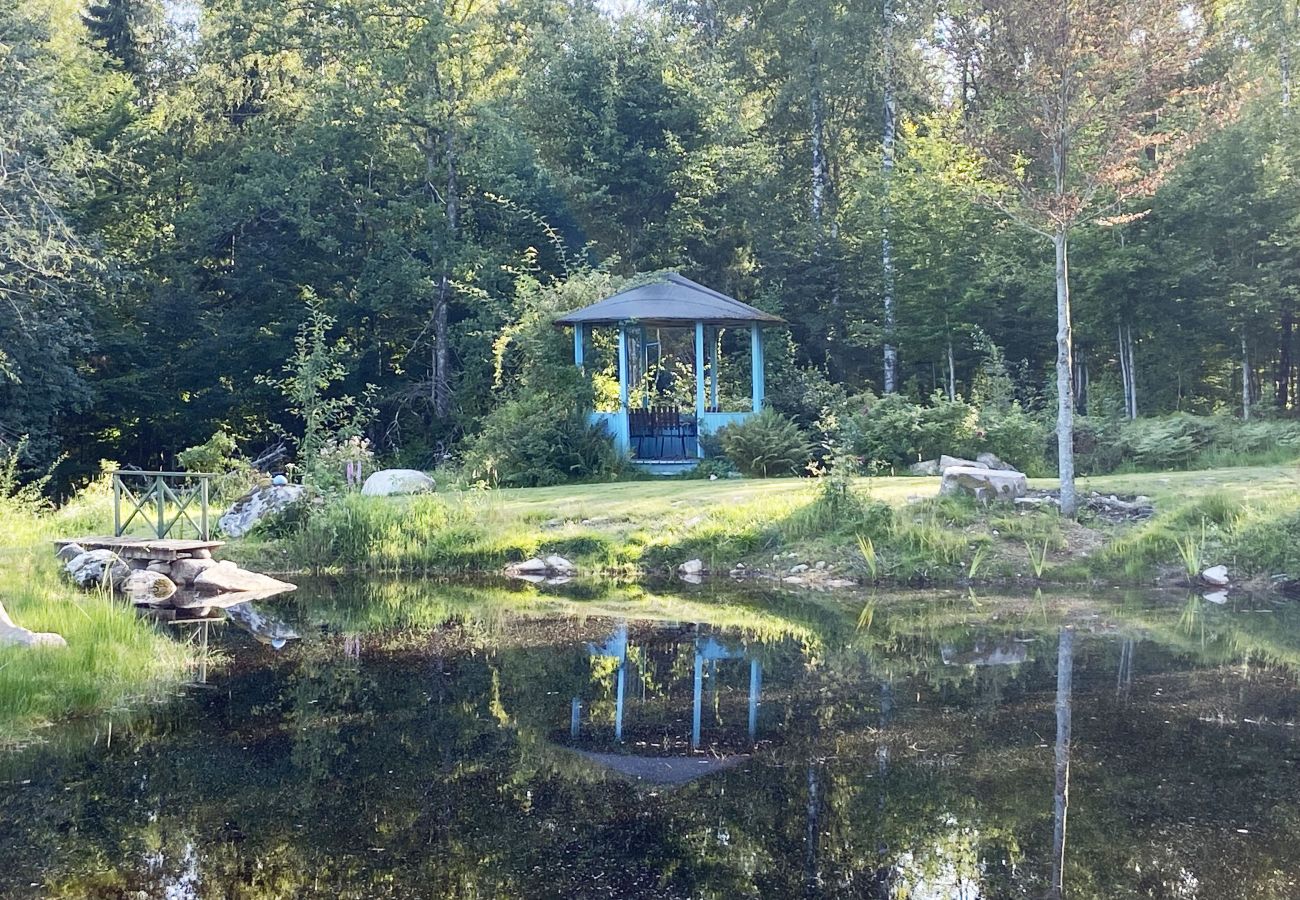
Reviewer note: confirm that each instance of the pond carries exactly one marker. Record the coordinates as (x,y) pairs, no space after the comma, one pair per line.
(442,740)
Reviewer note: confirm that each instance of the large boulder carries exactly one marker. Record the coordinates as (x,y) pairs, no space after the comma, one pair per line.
(148,587)
(184,571)
(12,635)
(262,501)
(991,461)
(983,484)
(924,467)
(387,482)
(226,576)
(97,567)
(951,462)
(1216,576)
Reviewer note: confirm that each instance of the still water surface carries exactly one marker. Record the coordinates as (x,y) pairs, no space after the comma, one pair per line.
(435,740)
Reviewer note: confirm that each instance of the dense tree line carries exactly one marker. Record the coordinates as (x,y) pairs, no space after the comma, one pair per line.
(179,182)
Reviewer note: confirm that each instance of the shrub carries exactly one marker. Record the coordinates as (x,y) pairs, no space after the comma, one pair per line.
(883,430)
(1016,437)
(947,426)
(540,439)
(766,444)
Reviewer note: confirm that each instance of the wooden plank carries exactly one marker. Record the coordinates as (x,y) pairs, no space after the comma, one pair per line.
(142,548)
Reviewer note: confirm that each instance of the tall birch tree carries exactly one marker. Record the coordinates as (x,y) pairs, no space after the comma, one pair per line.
(1077,107)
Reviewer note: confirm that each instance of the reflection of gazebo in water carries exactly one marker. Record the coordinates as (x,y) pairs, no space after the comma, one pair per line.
(681,764)
(656,431)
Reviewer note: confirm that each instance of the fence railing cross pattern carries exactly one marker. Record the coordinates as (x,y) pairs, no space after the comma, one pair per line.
(165,500)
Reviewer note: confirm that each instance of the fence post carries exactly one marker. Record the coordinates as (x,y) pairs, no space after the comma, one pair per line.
(203,514)
(117,505)
(161,530)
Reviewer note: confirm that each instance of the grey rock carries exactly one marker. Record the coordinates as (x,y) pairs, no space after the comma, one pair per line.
(262,501)
(146,585)
(558,565)
(97,567)
(70,552)
(159,566)
(948,462)
(13,635)
(226,576)
(391,482)
(991,460)
(184,571)
(1216,576)
(984,484)
(691,567)
(924,467)
(799,569)
(534,566)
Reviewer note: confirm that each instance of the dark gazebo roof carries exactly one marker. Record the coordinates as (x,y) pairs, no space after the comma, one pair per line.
(670,300)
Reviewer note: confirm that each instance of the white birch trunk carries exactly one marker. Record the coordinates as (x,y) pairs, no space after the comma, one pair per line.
(1123,365)
(1132,376)
(1064,377)
(952,375)
(1061,795)
(1245,379)
(887,173)
(817,126)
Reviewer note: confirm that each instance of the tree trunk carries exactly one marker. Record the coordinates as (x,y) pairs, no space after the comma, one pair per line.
(1245,379)
(441,320)
(1284,358)
(1081,385)
(817,126)
(1064,377)
(1061,799)
(952,375)
(887,173)
(1132,375)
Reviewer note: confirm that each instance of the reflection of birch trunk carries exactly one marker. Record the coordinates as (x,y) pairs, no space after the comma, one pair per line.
(1124,678)
(1064,676)
(812,877)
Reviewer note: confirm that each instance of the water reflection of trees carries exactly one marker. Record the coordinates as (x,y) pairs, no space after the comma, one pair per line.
(423,745)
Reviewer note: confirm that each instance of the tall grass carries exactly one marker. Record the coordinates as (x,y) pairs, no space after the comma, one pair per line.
(112,660)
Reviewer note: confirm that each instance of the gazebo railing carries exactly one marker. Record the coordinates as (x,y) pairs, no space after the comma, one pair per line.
(165,501)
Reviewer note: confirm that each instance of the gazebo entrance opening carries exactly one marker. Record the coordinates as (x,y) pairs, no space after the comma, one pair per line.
(683,352)
(663,415)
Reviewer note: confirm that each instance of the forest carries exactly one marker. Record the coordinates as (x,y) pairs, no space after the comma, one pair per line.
(193,195)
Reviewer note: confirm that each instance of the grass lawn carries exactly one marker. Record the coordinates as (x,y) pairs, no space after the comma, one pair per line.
(646,526)
(113,659)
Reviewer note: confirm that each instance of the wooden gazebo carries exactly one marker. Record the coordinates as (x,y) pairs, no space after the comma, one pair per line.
(660,434)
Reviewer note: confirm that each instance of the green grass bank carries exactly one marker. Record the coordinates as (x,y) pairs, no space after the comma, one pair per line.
(885,530)
(113,660)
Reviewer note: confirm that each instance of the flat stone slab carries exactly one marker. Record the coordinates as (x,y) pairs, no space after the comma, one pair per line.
(143,548)
(226,577)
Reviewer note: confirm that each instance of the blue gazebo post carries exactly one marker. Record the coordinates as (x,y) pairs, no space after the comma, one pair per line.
(699,384)
(579,340)
(757,364)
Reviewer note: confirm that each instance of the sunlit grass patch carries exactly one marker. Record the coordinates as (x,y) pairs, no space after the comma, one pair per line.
(113,659)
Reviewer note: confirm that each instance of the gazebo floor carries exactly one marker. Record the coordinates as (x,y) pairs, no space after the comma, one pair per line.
(665,466)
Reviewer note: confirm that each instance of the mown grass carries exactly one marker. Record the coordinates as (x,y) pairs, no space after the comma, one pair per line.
(113,659)
(631,528)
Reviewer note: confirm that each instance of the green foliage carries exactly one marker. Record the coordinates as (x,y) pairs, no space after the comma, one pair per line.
(537,439)
(765,444)
(316,366)
(1181,441)
(896,432)
(215,455)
